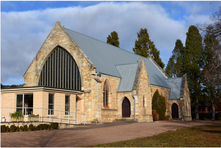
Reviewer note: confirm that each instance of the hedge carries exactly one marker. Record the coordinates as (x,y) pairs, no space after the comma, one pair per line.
(31,127)
(159,104)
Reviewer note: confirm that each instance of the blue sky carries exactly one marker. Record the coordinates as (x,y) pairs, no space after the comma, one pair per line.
(25,25)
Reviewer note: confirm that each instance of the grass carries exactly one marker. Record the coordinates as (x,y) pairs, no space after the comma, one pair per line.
(197,136)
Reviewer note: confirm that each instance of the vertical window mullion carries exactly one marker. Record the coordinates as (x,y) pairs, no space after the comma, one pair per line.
(71,74)
(68,71)
(49,71)
(23,104)
(60,66)
(76,77)
(65,66)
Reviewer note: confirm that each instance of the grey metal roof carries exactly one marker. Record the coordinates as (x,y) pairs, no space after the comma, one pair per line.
(128,74)
(175,85)
(105,57)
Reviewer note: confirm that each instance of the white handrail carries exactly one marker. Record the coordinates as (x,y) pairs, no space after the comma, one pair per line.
(49,116)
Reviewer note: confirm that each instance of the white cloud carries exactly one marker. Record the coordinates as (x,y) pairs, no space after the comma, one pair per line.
(23,33)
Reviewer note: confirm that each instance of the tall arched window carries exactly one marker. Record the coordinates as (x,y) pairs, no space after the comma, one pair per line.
(60,70)
(143,101)
(105,93)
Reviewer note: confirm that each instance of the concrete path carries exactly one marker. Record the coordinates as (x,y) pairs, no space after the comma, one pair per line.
(93,134)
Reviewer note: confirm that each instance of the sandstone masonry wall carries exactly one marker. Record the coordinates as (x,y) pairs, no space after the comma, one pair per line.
(164,92)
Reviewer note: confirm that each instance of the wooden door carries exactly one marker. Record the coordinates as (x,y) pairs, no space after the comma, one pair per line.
(126,108)
(175,113)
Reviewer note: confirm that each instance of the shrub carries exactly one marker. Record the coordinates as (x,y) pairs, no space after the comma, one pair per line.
(13,128)
(31,127)
(16,115)
(155,115)
(21,128)
(54,125)
(41,126)
(8,129)
(162,104)
(38,127)
(17,128)
(159,104)
(33,115)
(25,128)
(45,126)
(3,128)
(167,117)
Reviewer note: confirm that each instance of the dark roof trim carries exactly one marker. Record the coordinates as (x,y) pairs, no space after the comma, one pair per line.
(40,88)
(160,86)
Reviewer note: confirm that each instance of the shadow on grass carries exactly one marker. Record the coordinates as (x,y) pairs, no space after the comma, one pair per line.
(212,131)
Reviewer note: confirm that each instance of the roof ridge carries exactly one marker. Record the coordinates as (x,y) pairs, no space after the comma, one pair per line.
(174,78)
(126,64)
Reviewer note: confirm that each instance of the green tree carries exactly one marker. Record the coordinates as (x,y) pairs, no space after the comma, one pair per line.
(193,63)
(175,64)
(170,67)
(113,39)
(143,43)
(159,104)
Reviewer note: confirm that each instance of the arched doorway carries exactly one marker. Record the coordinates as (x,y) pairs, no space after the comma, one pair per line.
(126,108)
(175,113)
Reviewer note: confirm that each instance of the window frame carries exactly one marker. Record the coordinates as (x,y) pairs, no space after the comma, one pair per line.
(22,108)
(50,104)
(105,94)
(67,105)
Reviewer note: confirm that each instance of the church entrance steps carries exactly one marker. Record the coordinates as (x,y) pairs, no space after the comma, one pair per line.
(177,119)
(124,120)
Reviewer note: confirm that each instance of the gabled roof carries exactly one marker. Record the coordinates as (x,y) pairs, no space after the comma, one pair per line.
(106,57)
(175,85)
(128,74)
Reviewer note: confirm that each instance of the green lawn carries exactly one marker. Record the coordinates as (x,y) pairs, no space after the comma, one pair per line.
(198,136)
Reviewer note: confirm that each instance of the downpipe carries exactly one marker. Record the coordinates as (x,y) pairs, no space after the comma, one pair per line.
(134,106)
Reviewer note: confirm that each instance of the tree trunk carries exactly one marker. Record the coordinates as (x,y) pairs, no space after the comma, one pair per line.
(197,110)
(213,111)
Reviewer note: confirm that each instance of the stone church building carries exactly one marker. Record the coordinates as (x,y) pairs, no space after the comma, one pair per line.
(75,73)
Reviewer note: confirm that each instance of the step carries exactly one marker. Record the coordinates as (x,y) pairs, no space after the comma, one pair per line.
(124,120)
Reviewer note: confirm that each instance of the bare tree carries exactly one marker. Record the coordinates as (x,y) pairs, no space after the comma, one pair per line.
(212,60)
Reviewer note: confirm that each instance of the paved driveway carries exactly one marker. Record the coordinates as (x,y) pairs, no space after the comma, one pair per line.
(92,134)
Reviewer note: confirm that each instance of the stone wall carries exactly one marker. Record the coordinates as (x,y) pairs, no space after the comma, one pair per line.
(178,103)
(59,37)
(142,93)
(99,112)
(164,92)
(185,97)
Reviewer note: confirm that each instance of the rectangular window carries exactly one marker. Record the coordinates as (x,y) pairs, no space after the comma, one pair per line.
(67,104)
(51,104)
(24,103)
(19,103)
(28,104)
